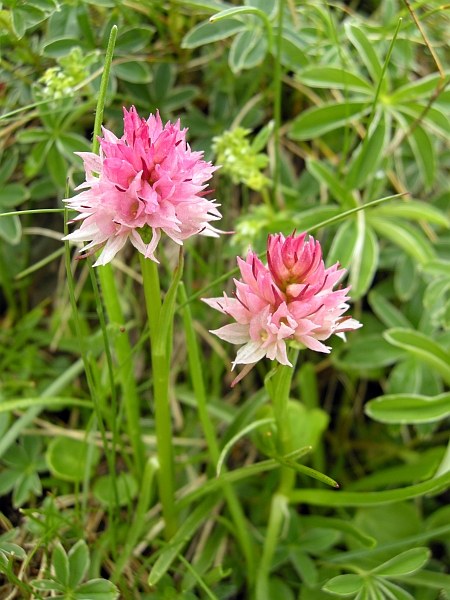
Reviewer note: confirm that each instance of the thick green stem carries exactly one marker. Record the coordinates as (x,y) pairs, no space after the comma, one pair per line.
(160,353)
(278,511)
(278,387)
(195,367)
(279,392)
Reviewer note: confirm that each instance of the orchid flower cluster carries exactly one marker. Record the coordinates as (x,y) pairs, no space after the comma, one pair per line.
(148,181)
(290,299)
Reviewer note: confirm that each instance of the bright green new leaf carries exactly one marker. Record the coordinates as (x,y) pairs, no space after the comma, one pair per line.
(344,585)
(405,563)
(409,408)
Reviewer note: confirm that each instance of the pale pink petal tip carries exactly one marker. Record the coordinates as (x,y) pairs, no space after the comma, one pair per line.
(147,181)
(292,298)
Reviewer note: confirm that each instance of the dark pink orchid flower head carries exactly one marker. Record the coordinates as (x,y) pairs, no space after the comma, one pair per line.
(141,184)
(290,299)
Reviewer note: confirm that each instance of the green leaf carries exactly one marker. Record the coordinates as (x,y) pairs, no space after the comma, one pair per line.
(248,50)
(405,236)
(343,245)
(32,135)
(423,150)
(60,563)
(364,263)
(335,78)
(133,71)
(337,189)
(62,46)
(24,17)
(57,166)
(435,120)
(11,229)
(51,403)
(78,563)
(388,314)
(68,459)
(206,32)
(406,377)
(319,120)
(127,489)
(423,347)
(36,158)
(406,277)
(306,219)
(339,525)
(405,563)
(97,589)
(304,566)
(344,585)
(12,195)
(416,89)
(292,55)
(8,165)
(408,408)
(419,468)
(437,268)
(69,143)
(183,535)
(47,585)
(369,352)
(369,154)
(414,210)
(330,498)
(134,39)
(365,50)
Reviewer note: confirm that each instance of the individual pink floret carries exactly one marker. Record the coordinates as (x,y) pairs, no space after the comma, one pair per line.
(290,299)
(146,182)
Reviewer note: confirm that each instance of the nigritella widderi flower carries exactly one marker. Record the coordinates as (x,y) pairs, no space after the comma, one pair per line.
(292,298)
(141,184)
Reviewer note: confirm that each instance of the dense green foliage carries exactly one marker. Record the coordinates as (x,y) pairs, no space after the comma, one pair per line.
(313,109)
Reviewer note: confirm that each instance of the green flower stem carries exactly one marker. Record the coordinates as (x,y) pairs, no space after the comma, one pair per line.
(279,389)
(125,371)
(195,367)
(277,102)
(111,296)
(278,511)
(160,353)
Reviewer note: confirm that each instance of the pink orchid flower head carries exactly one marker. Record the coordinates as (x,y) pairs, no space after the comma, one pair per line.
(290,299)
(146,182)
